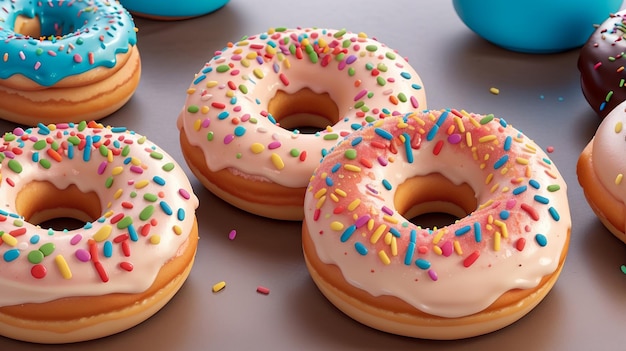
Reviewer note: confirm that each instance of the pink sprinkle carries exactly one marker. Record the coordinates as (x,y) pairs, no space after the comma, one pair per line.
(360,95)
(262,290)
(245,117)
(76,239)
(232,234)
(37,65)
(18,131)
(274,145)
(22,55)
(78,58)
(550,149)
(136,169)
(414,102)
(102,167)
(184,193)
(447,249)
(433,275)
(387,210)
(228,138)
(454,138)
(597,65)
(205,123)
(382,160)
(83,255)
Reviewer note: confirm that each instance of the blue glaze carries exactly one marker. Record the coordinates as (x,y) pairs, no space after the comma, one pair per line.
(535,26)
(173,9)
(77,36)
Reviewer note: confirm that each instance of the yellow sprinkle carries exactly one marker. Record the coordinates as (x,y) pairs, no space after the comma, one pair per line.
(438,237)
(270,49)
(211,84)
(459,123)
(494,188)
(320,202)
(287,63)
(457,248)
(258,73)
(197,124)
(155,239)
(390,219)
(521,161)
(489,178)
(341,192)
(352,168)
(205,109)
(618,179)
(320,193)
(494,91)
(108,214)
(503,228)
(487,138)
(190,91)
(387,239)
(437,250)
(334,197)
(474,122)
(394,246)
(103,233)
(378,233)
(257,148)
(246,64)
(496,241)
(177,230)
(354,204)
(118,193)
(618,127)
(141,184)
(218,286)
(486,204)
(63,267)
(117,170)
(9,239)
(370,224)
(468,139)
(251,55)
(277,161)
(336,226)
(135,161)
(383,257)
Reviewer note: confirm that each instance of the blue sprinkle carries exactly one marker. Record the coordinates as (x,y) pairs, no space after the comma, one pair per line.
(386,184)
(199,79)
(158,180)
(329,181)
(407,148)
(132,233)
(180,214)
(43,130)
(107,249)
(535,184)
(360,248)
(507,143)
(442,118)
(383,133)
(11,255)
(501,162)
(405,75)
(408,257)
(35,156)
(462,230)
(207,69)
(70,151)
(503,123)
(422,263)
(541,240)
(223,115)
(355,126)
(87,149)
(347,233)
(34,239)
(335,168)
(554,213)
(504,214)
(356,141)
(431,134)
(118,129)
(416,86)
(519,189)
(395,232)
(541,199)
(240,130)
(166,208)
(413,235)
(477,233)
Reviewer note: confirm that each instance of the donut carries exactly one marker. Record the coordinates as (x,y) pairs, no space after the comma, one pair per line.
(471,277)
(601,65)
(600,169)
(65,61)
(167,10)
(263,111)
(131,252)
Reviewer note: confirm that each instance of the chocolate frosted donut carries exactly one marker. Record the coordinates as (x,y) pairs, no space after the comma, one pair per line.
(601,65)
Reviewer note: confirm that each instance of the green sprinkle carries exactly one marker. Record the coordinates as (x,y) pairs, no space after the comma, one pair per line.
(294,152)
(35,257)
(488,118)
(351,71)
(44,163)
(390,55)
(74,140)
(15,166)
(126,150)
(104,151)
(332,136)
(381,81)
(350,154)
(124,223)
(371,48)
(340,34)
(9,137)
(168,166)
(402,97)
(40,145)
(554,187)
(222,68)
(209,136)
(82,125)
(382,67)
(193,109)
(109,182)
(243,89)
(146,213)
(150,197)
(47,249)
(156,155)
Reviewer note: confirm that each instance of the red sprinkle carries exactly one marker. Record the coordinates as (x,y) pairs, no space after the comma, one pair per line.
(520,243)
(530,211)
(438,147)
(469,260)
(262,290)
(38,271)
(127,266)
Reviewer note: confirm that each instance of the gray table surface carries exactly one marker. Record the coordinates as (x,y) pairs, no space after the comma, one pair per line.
(539,94)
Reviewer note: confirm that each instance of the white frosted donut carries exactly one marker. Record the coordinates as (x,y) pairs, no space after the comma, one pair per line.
(236,125)
(130,257)
(476,275)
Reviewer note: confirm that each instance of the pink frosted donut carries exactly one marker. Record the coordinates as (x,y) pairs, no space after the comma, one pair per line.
(476,275)
(240,124)
(133,252)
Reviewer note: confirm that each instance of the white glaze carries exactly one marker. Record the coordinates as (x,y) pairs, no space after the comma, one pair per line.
(16,282)
(452,290)
(245,89)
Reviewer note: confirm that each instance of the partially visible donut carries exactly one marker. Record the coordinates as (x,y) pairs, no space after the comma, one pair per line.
(476,275)
(172,10)
(65,61)
(133,253)
(601,65)
(235,127)
(600,169)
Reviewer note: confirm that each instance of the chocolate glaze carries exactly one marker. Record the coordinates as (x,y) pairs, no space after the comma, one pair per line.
(602,64)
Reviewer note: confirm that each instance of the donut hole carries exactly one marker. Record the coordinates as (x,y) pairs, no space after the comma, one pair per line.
(42,203)
(50,22)
(305,111)
(434,201)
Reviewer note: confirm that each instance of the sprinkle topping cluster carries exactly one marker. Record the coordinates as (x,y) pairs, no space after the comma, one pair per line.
(77,36)
(147,202)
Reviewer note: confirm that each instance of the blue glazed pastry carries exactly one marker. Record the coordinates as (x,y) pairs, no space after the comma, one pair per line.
(172,10)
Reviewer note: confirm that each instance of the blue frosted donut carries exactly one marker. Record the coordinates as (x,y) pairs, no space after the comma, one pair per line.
(172,10)
(65,44)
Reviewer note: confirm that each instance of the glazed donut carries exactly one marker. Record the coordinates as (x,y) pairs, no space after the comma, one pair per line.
(168,10)
(482,272)
(132,254)
(239,128)
(65,61)
(600,170)
(601,65)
